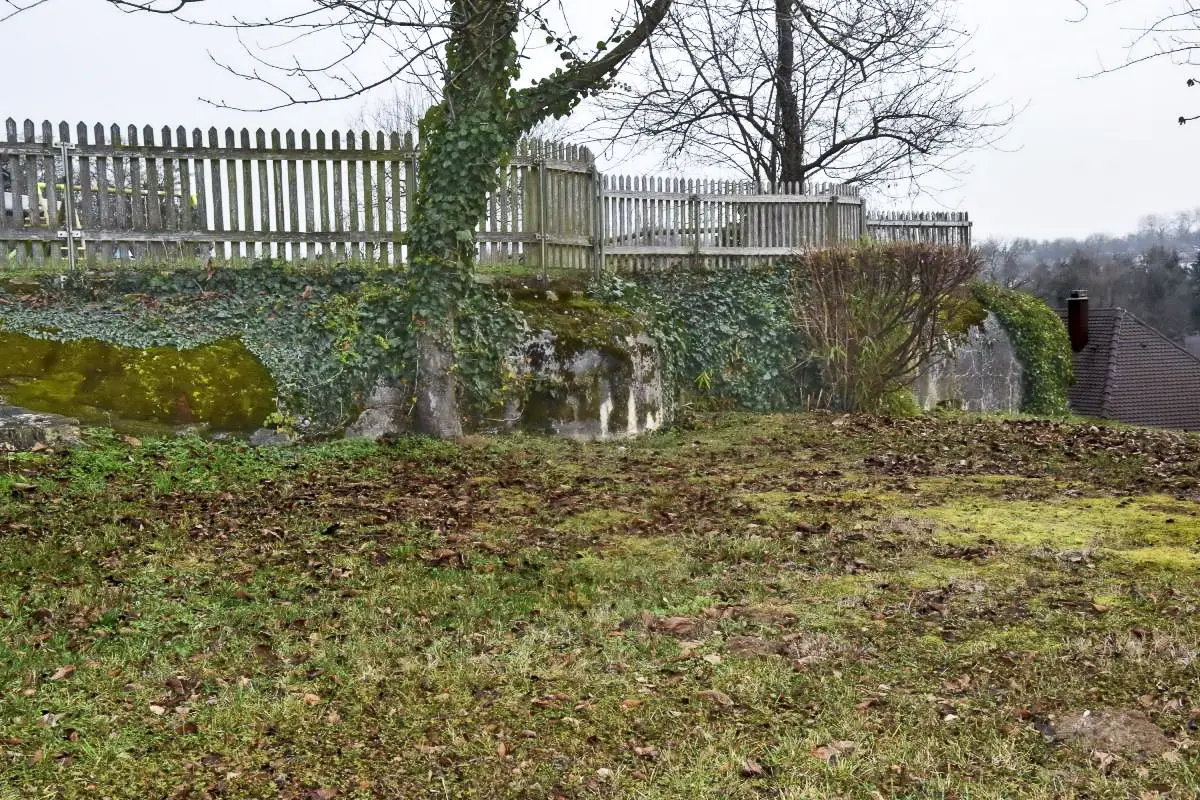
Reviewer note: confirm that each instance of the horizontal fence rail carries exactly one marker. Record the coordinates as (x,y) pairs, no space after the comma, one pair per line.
(110,194)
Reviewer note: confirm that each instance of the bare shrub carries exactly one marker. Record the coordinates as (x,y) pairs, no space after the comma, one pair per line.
(872,313)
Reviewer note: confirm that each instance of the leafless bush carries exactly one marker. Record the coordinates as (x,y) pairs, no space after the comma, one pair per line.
(871,314)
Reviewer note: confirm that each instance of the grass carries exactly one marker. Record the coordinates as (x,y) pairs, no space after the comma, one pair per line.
(703,613)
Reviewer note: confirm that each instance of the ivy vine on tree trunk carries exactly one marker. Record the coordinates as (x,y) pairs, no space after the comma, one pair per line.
(465,139)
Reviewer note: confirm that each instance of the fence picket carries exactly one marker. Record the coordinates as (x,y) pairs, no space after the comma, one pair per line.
(122,212)
(368,200)
(397,220)
(170,214)
(352,193)
(306,168)
(323,222)
(154,210)
(231,172)
(269,192)
(292,216)
(383,234)
(248,223)
(339,216)
(103,199)
(199,215)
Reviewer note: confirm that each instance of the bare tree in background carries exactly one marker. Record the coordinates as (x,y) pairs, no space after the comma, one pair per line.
(1173,34)
(473,51)
(859,91)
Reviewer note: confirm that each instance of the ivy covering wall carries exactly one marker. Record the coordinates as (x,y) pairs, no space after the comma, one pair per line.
(730,332)
(325,336)
(725,337)
(1042,346)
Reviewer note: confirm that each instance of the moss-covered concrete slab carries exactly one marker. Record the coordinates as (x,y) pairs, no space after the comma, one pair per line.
(220,385)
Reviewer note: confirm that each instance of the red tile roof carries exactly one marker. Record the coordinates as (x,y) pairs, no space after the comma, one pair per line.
(1132,373)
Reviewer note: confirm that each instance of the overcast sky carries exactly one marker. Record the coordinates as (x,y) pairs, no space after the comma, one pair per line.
(1085,156)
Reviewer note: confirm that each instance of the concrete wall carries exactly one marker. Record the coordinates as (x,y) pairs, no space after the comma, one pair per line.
(982,375)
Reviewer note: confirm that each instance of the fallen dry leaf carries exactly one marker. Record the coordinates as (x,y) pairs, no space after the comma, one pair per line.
(63,672)
(682,627)
(648,753)
(834,751)
(716,696)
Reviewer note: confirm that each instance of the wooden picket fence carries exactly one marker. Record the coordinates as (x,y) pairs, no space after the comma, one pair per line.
(655,222)
(99,193)
(936,227)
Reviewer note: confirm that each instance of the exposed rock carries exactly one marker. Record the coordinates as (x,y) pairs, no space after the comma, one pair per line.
(1124,733)
(22,430)
(385,414)
(266,437)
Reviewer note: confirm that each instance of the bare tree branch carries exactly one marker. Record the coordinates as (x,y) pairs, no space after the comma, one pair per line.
(1173,36)
(857,91)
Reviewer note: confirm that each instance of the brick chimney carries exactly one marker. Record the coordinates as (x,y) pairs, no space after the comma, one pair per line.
(1077,319)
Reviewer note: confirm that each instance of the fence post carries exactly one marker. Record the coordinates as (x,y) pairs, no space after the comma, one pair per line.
(410,190)
(694,212)
(832,235)
(541,203)
(597,221)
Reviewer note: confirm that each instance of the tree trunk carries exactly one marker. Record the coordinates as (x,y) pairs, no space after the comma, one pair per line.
(437,396)
(464,139)
(790,136)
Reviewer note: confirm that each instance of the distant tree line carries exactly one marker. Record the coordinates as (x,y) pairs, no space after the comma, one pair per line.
(1153,273)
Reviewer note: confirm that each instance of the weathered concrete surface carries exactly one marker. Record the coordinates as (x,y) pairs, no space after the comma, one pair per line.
(983,375)
(385,413)
(22,430)
(591,392)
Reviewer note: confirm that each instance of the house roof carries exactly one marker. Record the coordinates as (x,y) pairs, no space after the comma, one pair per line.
(1132,373)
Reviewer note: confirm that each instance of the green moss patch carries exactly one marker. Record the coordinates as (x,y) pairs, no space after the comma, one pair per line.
(219,384)
(1151,529)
